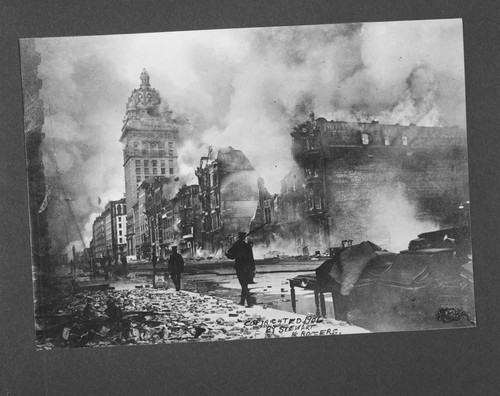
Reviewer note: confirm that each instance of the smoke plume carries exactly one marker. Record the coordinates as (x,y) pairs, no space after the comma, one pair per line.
(244,88)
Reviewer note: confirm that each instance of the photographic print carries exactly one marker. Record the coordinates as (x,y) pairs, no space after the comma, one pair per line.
(245,184)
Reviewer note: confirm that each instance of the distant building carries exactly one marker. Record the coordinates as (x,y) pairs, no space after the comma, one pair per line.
(91,249)
(170,230)
(115,227)
(149,139)
(170,222)
(152,200)
(189,210)
(99,237)
(228,195)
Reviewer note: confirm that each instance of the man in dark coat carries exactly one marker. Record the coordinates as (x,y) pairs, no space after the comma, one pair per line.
(175,267)
(154,259)
(123,259)
(241,253)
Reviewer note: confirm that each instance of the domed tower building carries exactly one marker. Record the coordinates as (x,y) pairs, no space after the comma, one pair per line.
(149,136)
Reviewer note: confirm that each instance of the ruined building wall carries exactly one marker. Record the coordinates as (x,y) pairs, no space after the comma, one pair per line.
(239,199)
(392,183)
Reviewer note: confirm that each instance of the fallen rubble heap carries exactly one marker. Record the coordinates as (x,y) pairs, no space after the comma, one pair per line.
(146,316)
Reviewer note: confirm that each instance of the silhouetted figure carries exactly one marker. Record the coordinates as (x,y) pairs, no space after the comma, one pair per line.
(107,267)
(175,267)
(244,265)
(124,262)
(154,260)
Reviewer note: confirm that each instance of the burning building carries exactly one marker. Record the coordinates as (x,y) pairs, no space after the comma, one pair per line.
(369,181)
(229,196)
(289,222)
(266,221)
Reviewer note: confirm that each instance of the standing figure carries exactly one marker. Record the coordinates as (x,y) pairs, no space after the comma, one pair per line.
(154,259)
(124,262)
(175,267)
(244,265)
(107,266)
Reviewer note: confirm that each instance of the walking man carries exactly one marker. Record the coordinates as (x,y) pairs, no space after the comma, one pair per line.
(175,267)
(241,253)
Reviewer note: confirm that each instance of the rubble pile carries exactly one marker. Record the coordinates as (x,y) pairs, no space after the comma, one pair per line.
(145,316)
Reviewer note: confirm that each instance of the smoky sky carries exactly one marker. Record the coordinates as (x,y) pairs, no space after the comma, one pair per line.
(244,88)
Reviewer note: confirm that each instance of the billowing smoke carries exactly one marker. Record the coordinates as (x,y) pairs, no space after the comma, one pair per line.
(243,88)
(394,222)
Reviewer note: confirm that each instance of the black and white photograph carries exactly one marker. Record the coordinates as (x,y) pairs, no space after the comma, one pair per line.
(248,184)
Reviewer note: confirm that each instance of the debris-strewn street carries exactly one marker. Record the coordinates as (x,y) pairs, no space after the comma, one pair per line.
(143,315)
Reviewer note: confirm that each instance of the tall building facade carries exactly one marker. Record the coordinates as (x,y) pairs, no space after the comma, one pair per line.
(149,137)
(99,237)
(115,227)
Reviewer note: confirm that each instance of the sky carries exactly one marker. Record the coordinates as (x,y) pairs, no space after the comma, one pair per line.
(244,88)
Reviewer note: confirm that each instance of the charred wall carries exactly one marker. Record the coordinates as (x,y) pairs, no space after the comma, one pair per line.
(380,182)
(364,185)
(239,199)
(229,196)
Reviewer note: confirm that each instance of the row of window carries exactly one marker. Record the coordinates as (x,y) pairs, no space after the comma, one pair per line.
(365,138)
(155,171)
(154,163)
(154,145)
(139,179)
(154,153)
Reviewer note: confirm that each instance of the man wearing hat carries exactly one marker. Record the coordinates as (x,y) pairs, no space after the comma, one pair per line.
(175,267)
(241,253)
